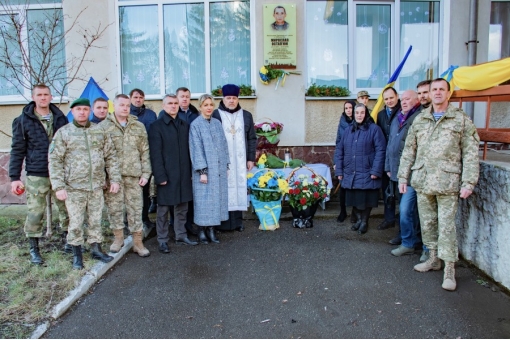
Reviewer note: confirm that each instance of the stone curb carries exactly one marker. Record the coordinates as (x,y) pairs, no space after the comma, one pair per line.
(87,281)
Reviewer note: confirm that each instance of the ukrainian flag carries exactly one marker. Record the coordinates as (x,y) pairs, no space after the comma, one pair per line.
(92,91)
(391,82)
(478,77)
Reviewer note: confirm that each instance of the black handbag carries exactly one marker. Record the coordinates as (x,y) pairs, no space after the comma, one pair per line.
(390,194)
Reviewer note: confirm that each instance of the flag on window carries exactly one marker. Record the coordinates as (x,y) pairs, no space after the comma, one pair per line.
(391,82)
(92,91)
(478,77)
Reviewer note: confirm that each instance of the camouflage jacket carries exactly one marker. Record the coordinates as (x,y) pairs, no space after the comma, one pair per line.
(131,145)
(442,155)
(78,157)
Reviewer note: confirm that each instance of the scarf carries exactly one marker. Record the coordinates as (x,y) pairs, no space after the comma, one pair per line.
(226,109)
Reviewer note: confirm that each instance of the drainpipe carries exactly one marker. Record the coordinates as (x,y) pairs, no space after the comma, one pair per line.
(471,46)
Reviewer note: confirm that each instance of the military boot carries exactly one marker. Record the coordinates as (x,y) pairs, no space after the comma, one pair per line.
(201,236)
(211,235)
(118,242)
(449,282)
(77,257)
(138,246)
(97,253)
(35,256)
(433,262)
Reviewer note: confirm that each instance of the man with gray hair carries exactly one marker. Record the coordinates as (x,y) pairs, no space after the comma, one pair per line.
(171,165)
(409,220)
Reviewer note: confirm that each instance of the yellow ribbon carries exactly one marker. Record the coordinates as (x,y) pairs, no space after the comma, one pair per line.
(267,209)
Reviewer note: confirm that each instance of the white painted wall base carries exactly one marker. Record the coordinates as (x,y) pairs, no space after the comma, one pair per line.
(484,223)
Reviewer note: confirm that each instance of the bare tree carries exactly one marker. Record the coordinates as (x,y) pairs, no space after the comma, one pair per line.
(34,51)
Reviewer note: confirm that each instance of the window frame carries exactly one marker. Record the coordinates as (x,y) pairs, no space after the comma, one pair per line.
(21,11)
(207,41)
(395,42)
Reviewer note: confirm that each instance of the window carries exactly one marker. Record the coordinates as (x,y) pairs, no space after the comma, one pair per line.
(328,43)
(499,32)
(32,47)
(197,45)
(358,44)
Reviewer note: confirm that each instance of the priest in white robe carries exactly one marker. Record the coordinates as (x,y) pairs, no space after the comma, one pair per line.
(239,131)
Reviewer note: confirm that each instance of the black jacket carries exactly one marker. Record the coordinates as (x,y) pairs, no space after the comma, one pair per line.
(170,159)
(384,121)
(145,116)
(189,116)
(249,133)
(30,142)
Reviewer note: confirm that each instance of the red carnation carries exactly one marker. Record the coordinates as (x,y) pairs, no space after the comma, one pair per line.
(302,201)
(297,191)
(316,194)
(296,183)
(313,176)
(291,191)
(315,183)
(305,189)
(324,195)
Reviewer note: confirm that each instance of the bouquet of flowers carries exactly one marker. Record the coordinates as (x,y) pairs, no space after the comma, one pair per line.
(268,133)
(305,194)
(266,191)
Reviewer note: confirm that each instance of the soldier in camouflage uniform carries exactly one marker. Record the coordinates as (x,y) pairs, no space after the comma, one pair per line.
(32,132)
(130,139)
(78,156)
(441,151)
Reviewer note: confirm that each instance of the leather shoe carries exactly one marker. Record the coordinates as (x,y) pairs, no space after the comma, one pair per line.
(163,248)
(397,240)
(240,228)
(385,225)
(186,241)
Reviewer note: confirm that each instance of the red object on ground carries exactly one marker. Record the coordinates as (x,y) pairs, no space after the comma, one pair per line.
(20,190)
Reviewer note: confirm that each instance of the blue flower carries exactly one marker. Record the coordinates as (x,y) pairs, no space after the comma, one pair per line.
(272,183)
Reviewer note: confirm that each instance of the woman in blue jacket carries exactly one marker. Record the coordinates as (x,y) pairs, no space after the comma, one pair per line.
(359,164)
(346,120)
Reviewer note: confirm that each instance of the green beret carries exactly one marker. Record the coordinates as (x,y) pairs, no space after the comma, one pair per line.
(80,102)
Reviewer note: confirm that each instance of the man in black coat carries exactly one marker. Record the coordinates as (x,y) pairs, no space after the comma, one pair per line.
(32,133)
(171,168)
(384,119)
(240,132)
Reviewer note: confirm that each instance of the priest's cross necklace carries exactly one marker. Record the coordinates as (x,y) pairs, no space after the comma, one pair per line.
(232,123)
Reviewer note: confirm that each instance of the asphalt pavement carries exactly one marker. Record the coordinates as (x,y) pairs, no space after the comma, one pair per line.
(324,282)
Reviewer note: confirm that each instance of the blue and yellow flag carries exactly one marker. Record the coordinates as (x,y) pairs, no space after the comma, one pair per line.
(478,77)
(92,91)
(391,82)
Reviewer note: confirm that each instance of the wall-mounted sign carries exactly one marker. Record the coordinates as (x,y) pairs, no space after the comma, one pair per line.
(280,36)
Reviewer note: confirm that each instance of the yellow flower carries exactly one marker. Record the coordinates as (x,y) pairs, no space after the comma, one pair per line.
(263,70)
(249,175)
(262,159)
(283,185)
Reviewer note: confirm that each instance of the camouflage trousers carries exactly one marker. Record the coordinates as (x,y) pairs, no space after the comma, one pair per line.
(37,188)
(438,230)
(130,196)
(81,203)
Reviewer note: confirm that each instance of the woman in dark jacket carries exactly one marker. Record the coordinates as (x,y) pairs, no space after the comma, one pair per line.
(359,164)
(346,120)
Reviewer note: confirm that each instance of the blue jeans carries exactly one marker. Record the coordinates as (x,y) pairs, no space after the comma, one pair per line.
(409,219)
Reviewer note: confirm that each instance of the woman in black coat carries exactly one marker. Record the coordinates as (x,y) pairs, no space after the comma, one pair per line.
(346,119)
(359,164)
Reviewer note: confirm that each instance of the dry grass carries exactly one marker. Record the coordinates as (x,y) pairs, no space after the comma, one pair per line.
(29,292)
